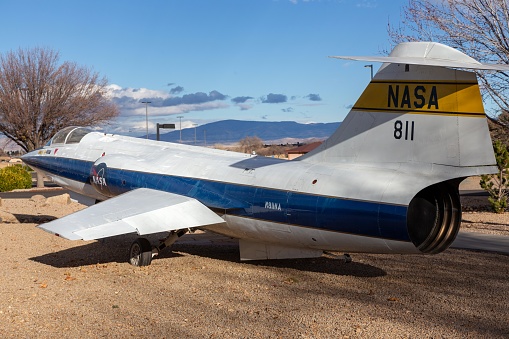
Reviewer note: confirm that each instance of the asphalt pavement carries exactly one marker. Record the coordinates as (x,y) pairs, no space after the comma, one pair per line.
(482,242)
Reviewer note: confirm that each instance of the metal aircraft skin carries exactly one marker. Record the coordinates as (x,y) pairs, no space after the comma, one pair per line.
(385,182)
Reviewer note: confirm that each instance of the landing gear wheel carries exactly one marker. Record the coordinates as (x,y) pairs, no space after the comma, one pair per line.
(140,253)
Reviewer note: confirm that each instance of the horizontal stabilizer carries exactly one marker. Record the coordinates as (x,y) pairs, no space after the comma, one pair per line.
(428,54)
(143,211)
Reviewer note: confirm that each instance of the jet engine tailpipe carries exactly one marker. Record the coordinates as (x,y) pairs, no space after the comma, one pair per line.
(434,217)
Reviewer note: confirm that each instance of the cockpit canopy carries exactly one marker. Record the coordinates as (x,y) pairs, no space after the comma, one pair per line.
(69,135)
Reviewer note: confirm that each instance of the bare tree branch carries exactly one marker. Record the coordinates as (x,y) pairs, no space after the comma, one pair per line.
(39,96)
(250,144)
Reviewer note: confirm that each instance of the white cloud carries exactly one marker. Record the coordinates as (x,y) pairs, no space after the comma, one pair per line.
(127,111)
(185,108)
(245,107)
(128,101)
(116,91)
(164,107)
(137,127)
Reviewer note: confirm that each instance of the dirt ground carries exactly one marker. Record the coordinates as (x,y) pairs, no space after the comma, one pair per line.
(51,287)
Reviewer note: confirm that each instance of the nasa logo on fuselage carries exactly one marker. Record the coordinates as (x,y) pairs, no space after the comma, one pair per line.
(99,179)
(273,206)
(98,176)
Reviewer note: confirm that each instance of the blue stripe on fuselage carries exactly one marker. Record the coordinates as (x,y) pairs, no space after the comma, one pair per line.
(314,211)
(74,169)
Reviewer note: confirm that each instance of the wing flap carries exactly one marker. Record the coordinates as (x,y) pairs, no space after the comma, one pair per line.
(143,211)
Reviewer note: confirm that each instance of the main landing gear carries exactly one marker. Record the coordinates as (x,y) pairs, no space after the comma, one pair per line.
(345,257)
(142,252)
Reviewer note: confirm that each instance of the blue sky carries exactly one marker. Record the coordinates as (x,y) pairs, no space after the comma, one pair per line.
(212,60)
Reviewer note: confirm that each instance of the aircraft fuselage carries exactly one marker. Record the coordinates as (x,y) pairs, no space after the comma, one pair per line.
(262,199)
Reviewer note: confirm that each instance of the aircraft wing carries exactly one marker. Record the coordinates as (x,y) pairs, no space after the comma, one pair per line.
(143,211)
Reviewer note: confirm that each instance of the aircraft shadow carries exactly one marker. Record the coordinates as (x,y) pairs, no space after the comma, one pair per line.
(255,162)
(229,251)
(34,219)
(115,249)
(326,265)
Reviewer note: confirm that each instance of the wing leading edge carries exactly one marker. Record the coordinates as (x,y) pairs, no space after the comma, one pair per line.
(143,211)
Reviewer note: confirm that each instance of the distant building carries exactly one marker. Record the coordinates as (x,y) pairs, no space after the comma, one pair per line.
(301,150)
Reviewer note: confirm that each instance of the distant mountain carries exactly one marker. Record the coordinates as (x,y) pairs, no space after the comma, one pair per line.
(231,131)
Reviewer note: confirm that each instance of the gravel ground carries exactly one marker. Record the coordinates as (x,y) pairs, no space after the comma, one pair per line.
(51,287)
(477,217)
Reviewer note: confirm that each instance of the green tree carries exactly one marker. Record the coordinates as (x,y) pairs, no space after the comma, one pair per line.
(497,185)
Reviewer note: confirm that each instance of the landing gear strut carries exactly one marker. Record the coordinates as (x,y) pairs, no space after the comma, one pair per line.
(142,252)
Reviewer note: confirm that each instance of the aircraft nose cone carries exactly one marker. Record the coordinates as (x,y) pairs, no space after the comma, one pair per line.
(28,158)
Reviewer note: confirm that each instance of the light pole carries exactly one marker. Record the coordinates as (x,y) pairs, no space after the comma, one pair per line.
(146,114)
(194,125)
(180,117)
(370,66)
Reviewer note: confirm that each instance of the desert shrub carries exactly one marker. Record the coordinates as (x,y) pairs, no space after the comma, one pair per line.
(497,185)
(14,177)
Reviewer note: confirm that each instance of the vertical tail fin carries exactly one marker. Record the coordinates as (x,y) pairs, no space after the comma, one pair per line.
(416,112)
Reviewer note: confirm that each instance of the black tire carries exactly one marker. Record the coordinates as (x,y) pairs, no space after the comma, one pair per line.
(140,253)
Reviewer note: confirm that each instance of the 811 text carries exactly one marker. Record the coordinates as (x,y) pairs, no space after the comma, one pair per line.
(405,130)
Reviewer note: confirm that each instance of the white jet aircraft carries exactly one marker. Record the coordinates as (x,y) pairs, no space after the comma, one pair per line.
(385,182)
